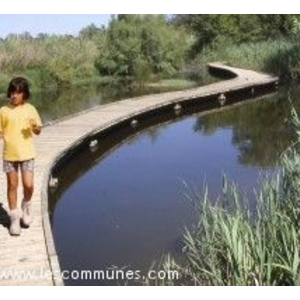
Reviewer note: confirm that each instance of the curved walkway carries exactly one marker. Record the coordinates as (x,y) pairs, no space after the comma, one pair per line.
(33,253)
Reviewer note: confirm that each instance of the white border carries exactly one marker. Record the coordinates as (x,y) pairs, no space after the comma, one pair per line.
(151,7)
(137,293)
(148,7)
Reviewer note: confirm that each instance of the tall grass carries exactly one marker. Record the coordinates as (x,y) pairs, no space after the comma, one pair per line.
(236,244)
(49,62)
(280,57)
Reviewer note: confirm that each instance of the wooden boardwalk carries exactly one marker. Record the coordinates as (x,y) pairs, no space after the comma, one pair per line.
(33,253)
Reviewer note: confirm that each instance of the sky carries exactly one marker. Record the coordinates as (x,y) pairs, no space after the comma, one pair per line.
(51,24)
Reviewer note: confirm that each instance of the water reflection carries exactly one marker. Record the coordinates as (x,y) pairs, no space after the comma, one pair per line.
(259,131)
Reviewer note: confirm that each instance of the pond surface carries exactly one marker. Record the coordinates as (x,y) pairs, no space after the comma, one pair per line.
(126,207)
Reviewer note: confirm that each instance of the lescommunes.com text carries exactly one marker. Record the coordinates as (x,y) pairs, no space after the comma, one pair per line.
(101,275)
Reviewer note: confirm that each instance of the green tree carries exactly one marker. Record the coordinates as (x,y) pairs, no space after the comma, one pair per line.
(235,28)
(140,45)
(91,32)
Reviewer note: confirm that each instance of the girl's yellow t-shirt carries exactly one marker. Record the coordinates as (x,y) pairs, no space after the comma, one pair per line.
(16,131)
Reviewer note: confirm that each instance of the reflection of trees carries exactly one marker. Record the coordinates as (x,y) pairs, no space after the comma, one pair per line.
(54,105)
(65,102)
(260,131)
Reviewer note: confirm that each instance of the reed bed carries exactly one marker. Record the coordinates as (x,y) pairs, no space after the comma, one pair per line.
(235,243)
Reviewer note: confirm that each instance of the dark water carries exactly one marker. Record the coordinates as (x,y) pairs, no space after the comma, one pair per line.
(127,207)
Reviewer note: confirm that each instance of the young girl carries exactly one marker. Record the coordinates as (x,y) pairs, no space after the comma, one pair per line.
(19,120)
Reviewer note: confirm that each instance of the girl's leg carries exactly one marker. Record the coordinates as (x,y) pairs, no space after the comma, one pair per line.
(12,188)
(27,180)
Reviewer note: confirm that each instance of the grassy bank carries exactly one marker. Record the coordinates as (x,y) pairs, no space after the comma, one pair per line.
(236,244)
(280,57)
(57,61)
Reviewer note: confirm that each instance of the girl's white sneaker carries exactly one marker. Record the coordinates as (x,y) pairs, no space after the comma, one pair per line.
(26,213)
(14,228)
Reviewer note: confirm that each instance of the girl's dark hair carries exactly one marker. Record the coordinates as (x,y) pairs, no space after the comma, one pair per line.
(19,85)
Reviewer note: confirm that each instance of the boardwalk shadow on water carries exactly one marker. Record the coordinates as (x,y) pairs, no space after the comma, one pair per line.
(4,217)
